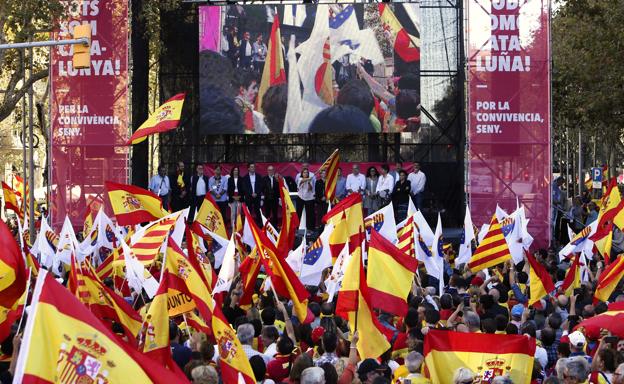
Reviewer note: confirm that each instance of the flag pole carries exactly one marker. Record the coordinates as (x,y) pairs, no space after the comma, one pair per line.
(19,325)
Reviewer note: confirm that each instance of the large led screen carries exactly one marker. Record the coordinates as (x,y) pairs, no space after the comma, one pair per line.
(343,68)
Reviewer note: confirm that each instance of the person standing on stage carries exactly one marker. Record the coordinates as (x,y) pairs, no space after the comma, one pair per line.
(371,201)
(252,186)
(417,180)
(259,54)
(159,184)
(217,185)
(271,195)
(178,181)
(385,185)
(341,186)
(356,182)
(401,196)
(235,194)
(395,173)
(321,200)
(245,51)
(305,191)
(197,189)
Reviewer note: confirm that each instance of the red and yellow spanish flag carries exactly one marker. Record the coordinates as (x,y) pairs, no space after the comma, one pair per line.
(572,278)
(283,279)
(330,166)
(185,278)
(199,261)
(609,279)
(249,269)
(541,281)
(10,200)
(234,363)
(163,119)
(146,248)
(492,250)
(209,216)
(17,184)
(349,209)
(354,304)
(339,237)
(273,72)
(385,260)
(133,205)
(195,321)
(12,269)
(290,221)
(486,355)
(404,44)
(8,316)
(81,348)
(104,303)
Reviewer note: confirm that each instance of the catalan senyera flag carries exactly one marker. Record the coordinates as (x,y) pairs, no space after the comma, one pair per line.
(81,348)
(492,250)
(209,216)
(133,205)
(406,238)
(349,209)
(13,274)
(10,199)
(104,303)
(384,260)
(609,279)
(354,304)
(572,278)
(541,281)
(290,221)
(404,44)
(146,249)
(273,72)
(486,355)
(283,278)
(330,166)
(163,119)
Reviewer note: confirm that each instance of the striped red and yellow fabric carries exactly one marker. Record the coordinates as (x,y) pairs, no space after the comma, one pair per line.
(81,348)
(609,279)
(10,199)
(541,283)
(492,250)
(330,166)
(349,208)
(163,119)
(147,247)
(273,72)
(406,238)
(133,205)
(486,355)
(385,260)
(572,278)
(209,216)
(290,221)
(405,45)
(12,269)
(283,278)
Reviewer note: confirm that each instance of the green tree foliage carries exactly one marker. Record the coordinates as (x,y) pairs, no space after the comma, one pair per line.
(588,76)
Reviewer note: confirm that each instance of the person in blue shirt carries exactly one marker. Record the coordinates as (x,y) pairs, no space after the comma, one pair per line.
(217,185)
(159,184)
(341,186)
(180,353)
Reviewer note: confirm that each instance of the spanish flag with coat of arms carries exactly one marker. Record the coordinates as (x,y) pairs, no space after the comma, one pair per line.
(487,355)
(80,348)
(133,205)
(165,118)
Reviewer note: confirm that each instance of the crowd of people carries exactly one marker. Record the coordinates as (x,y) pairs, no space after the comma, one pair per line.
(260,193)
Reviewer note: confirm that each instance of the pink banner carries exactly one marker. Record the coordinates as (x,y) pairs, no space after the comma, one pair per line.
(89,110)
(209,28)
(509,110)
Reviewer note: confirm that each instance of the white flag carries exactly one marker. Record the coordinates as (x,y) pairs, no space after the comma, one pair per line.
(228,269)
(334,280)
(317,258)
(465,246)
(383,222)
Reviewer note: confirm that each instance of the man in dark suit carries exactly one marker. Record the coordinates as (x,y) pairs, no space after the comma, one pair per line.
(245,51)
(179,182)
(271,194)
(252,185)
(197,189)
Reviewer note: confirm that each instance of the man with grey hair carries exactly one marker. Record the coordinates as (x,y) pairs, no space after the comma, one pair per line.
(472,321)
(618,375)
(502,380)
(575,370)
(245,333)
(312,375)
(413,363)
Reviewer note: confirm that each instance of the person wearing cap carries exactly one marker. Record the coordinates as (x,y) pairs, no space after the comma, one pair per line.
(368,370)
(516,315)
(577,343)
